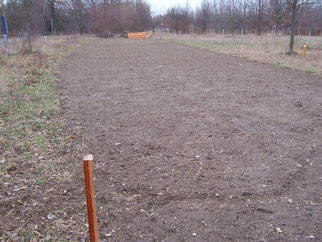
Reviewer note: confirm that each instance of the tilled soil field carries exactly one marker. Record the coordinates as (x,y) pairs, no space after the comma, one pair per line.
(191,145)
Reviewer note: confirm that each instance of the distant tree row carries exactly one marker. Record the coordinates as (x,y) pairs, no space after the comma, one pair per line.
(76,16)
(251,16)
(96,16)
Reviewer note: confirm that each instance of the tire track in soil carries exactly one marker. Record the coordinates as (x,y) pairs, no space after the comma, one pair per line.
(193,145)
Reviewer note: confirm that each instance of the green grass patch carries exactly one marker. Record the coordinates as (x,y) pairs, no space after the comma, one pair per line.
(26,112)
(33,142)
(29,105)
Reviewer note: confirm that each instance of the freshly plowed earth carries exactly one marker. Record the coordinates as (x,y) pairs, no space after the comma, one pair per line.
(194,145)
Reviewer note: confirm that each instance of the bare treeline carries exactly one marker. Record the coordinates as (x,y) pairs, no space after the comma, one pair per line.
(76,16)
(97,16)
(251,16)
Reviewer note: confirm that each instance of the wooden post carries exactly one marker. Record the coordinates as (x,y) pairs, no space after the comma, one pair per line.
(304,50)
(90,197)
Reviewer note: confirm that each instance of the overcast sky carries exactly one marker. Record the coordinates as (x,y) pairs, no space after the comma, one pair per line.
(162,6)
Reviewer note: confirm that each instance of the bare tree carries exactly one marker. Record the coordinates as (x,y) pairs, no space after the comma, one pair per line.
(143,12)
(177,19)
(203,15)
(51,4)
(13,19)
(220,14)
(117,16)
(97,16)
(30,20)
(277,11)
(261,8)
(156,20)
(244,6)
(232,16)
(78,10)
(294,6)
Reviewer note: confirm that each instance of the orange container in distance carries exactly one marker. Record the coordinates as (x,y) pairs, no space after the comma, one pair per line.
(139,35)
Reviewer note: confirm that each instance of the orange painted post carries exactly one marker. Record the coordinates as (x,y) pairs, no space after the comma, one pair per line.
(304,50)
(90,197)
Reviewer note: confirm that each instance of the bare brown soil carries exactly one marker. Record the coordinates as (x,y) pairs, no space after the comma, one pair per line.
(193,145)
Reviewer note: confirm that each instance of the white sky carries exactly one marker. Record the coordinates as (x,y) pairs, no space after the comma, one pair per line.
(162,6)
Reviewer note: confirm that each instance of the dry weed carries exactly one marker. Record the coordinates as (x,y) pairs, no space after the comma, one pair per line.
(38,201)
(266,48)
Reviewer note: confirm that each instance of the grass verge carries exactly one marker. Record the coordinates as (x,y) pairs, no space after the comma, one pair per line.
(266,49)
(33,170)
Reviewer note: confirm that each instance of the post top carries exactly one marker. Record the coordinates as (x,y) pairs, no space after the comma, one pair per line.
(87,157)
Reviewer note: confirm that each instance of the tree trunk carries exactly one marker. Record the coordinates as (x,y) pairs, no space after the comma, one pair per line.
(231,25)
(292,29)
(276,28)
(29,37)
(244,19)
(259,26)
(52,13)
(232,20)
